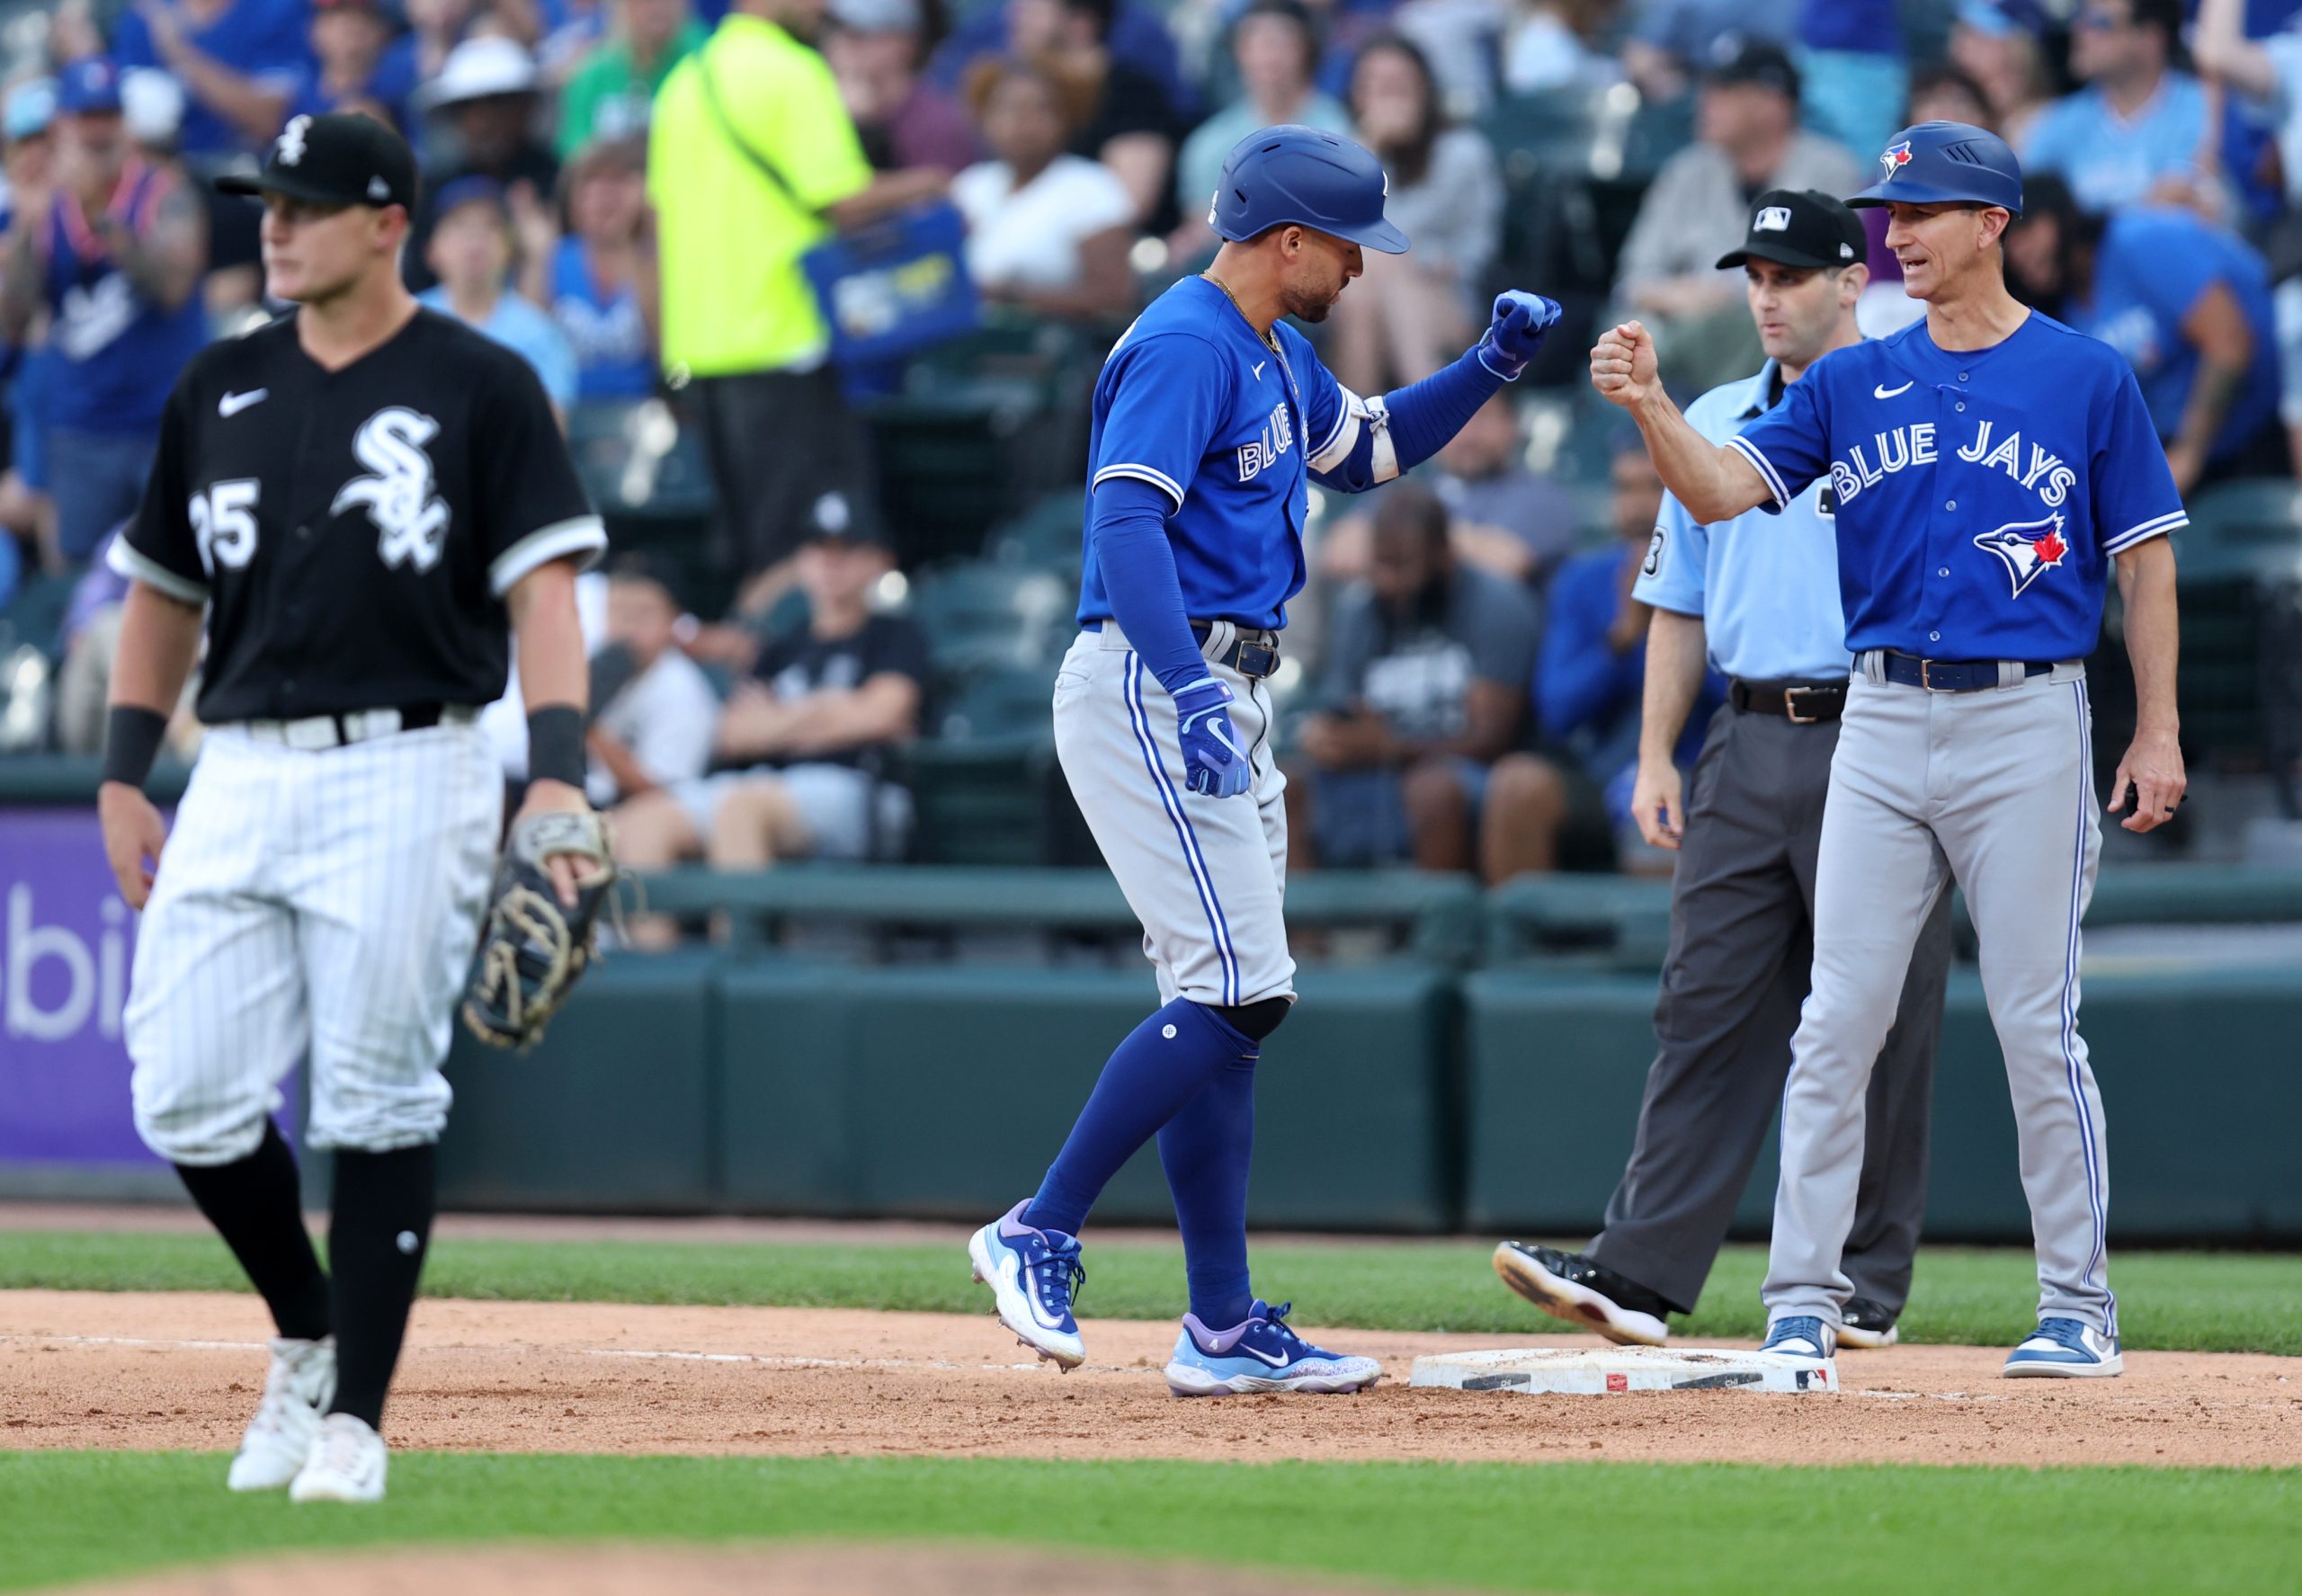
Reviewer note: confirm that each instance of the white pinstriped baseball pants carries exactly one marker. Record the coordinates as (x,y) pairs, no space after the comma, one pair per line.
(1996,790)
(1204,875)
(323,902)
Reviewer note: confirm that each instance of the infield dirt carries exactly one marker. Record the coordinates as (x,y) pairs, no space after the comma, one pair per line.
(183,1370)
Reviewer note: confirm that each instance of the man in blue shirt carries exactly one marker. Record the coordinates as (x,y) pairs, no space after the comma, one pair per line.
(1757,598)
(2139,127)
(1988,467)
(2187,303)
(470,251)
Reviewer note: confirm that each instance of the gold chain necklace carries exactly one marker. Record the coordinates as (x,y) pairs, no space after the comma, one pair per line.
(1268,341)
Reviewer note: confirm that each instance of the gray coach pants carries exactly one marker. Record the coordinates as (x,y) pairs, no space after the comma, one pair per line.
(1994,790)
(1742,944)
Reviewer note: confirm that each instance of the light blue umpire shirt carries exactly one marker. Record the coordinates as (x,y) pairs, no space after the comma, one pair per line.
(1765,586)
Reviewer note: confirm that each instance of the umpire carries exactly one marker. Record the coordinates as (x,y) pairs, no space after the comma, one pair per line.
(1760,595)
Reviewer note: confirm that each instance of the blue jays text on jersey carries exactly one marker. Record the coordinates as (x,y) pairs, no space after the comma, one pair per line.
(1191,401)
(1980,493)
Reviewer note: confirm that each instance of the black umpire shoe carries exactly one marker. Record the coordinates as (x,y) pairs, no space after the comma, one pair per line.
(1570,1287)
(1867,1325)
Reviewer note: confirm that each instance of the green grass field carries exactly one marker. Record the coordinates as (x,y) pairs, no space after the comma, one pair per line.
(2225,1302)
(1630,1530)
(1636,1530)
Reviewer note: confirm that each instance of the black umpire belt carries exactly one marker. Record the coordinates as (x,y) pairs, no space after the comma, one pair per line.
(357,725)
(1948,675)
(1803,703)
(1253,654)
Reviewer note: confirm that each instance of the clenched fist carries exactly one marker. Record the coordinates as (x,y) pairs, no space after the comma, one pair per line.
(1622,365)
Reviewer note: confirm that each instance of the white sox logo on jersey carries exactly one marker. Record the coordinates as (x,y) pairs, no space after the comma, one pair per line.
(1278,438)
(412,519)
(2027,548)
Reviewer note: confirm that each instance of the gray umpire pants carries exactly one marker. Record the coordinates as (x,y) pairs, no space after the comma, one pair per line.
(1996,790)
(1742,945)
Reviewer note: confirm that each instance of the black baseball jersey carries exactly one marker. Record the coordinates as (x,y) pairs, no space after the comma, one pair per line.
(353,532)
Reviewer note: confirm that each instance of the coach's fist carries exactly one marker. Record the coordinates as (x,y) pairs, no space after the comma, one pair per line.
(1521,320)
(1213,764)
(1622,365)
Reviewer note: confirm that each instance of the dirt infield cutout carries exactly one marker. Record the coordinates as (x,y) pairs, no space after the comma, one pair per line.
(169,1371)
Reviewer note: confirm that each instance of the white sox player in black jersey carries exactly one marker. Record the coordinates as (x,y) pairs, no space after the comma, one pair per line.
(366,501)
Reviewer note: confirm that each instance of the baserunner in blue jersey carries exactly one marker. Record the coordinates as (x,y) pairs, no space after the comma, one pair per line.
(1210,416)
(1990,466)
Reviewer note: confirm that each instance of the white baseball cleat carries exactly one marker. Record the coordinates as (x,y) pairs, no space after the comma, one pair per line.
(297,1391)
(346,1464)
(1802,1336)
(1033,1276)
(2064,1349)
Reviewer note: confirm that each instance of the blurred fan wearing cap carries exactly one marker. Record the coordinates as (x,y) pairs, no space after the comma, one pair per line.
(470,252)
(115,255)
(2134,131)
(1673,42)
(876,50)
(487,102)
(611,91)
(1748,139)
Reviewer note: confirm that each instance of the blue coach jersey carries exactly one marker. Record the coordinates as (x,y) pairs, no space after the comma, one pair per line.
(1980,493)
(1190,401)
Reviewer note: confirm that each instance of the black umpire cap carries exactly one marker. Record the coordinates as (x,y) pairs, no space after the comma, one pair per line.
(338,158)
(1801,228)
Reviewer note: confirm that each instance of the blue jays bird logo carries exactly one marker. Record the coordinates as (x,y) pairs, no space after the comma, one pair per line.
(2026,548)
(1896,157)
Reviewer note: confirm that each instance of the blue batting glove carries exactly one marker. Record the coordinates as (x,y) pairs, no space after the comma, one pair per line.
(1521,320)
(1213,761)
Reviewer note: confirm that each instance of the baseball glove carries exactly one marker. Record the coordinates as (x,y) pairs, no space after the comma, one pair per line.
(532,949)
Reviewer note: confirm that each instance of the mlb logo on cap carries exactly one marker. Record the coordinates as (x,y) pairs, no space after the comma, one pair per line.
(1772,218)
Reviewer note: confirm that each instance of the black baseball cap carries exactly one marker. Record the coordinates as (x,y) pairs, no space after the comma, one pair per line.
(1753,61)
(339,158)
(1802,228)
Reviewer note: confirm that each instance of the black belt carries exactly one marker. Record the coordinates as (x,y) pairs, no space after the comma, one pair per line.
(1803,703)
(1253,654)
(1950,675)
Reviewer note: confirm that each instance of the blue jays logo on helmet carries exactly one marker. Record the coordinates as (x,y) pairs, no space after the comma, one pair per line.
(1946,163)
(2028,549)
(1896,157)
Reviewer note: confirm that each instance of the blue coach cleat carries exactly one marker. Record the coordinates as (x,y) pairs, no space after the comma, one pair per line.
(1803,1337)
(1033,1275)
(2065,1349)
(1262,1354)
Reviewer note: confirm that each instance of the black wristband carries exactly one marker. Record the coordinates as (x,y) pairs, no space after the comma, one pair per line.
(132,738)
(556,745)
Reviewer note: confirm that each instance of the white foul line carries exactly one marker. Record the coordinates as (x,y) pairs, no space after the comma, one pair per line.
(768,1358)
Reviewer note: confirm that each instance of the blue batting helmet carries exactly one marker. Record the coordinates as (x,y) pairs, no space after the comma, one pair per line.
(1946,163)
(1298,174)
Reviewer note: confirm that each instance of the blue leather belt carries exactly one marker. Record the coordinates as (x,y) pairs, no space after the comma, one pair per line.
(1950,675)
(1254,655)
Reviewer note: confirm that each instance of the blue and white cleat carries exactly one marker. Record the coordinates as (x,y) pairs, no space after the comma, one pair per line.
(1803,1337)
(2064,1349)
(1262,1354)
(1033,1275)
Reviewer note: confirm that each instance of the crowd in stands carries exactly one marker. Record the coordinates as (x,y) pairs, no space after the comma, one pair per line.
(637,195)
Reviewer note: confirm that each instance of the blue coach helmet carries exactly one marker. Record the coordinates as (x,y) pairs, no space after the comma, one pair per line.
(1291,173)
(1946,163)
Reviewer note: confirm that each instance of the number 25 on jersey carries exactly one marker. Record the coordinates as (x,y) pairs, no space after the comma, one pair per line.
(223,519)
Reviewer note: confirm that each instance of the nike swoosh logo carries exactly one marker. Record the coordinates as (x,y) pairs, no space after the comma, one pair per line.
(233,404)
(1011,1270)
(1259,366)
(1274,1359)
(1883,392)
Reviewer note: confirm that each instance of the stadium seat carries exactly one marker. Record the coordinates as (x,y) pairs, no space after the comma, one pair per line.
(981,615)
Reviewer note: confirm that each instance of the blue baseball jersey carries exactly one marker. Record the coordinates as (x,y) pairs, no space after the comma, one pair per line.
(1768,594)
(1190,401)
(1980,494)
(118,353)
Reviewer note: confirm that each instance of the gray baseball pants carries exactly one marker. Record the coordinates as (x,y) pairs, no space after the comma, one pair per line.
(1742,947)
(1996,790)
